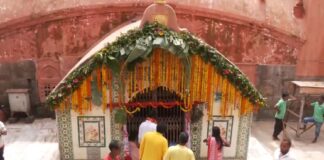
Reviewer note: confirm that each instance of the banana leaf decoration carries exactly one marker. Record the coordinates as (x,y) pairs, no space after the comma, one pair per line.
(142,49)
(96,94)
(120,116)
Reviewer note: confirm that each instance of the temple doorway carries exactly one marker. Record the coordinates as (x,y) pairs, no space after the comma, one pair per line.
(170,114)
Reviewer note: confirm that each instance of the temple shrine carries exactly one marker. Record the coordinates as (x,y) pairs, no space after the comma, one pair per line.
(152,63)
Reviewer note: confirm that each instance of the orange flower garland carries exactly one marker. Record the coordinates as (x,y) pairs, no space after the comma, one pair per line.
(165,69)
(104,87)
(75,101)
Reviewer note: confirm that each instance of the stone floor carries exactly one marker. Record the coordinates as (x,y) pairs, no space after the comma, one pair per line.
(261,145)
(38,141)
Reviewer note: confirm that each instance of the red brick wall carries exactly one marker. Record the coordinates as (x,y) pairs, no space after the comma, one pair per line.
(311,59)
(274,12)
(56,41)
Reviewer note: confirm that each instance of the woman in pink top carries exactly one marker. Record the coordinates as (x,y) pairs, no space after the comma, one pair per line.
(215,145)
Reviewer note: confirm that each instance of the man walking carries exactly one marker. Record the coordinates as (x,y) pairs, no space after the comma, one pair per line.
(180,151)
(280,115)
(317,118)
(153,145)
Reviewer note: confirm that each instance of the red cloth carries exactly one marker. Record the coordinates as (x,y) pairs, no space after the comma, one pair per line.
(108,157)
(128,157)
(151,120)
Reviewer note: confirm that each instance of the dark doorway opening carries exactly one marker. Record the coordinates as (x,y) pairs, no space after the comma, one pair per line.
(174,117)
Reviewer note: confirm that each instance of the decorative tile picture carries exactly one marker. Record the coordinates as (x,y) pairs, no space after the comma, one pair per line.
(224,123)
(91,131)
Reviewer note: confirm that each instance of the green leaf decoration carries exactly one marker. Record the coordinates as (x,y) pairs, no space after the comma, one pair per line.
(113,64)
(148,52)
(96,95)
(139,50)
(158,41)
(122,51)
(120,116)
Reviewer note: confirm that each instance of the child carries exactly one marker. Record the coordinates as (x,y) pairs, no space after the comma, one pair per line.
(280,115)
(317,118)
(3,131)
(215,145)
(114,151)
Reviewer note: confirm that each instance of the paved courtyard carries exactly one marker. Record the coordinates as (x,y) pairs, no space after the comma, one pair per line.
(261,145)
(38,141)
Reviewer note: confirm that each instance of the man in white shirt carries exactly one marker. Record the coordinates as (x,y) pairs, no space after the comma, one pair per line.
(149,125)
(3,131)
(282,153)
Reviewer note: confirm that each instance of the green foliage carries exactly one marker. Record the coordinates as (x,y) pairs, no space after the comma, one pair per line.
(96,96)
(120,116)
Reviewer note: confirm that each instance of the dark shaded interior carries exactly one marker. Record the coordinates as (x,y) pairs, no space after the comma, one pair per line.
(174,117)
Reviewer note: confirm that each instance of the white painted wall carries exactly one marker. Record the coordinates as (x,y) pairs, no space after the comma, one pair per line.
(228,151)
(81,153)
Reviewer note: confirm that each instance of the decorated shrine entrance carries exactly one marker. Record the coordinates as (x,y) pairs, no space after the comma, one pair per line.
(167,104)
(156,65)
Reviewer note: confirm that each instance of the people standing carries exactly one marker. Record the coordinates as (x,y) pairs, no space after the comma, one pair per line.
(215,144)
(154,145)
(3,131)
(180,151)
(280,107)
(149,125)
(317,118)
(114,148)
(282,153)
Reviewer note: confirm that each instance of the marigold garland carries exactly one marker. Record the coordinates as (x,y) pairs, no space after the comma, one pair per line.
(85,101)
(75,100)
(80,101)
